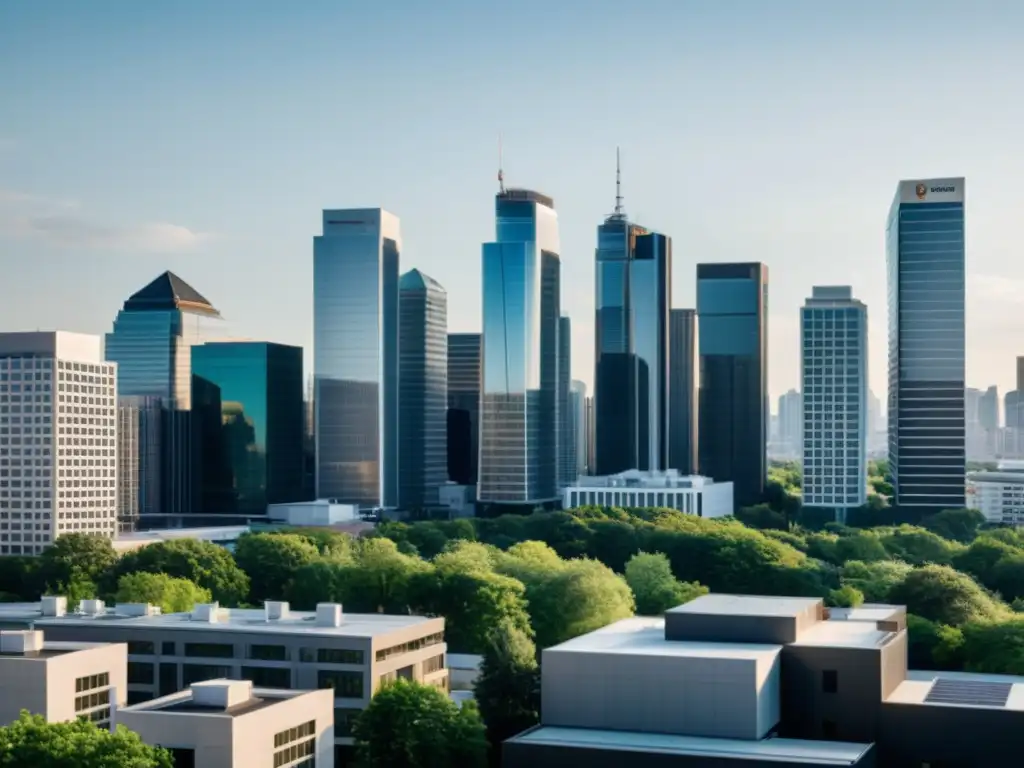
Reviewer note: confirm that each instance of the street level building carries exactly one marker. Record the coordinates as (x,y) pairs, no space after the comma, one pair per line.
(691,494)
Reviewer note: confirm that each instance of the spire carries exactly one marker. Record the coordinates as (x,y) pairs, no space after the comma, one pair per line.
(501,175)
(618,184)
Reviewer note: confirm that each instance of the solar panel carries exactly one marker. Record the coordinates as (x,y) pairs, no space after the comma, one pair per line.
(976,693)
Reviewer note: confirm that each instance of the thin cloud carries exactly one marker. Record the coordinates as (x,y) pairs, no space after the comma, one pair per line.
(994,288)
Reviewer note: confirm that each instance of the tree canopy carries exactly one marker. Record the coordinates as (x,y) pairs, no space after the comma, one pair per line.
(508,687)
(201,562)
(171,594)
(655,587)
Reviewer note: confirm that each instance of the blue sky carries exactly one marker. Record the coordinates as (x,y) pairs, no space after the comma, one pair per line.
(206,137)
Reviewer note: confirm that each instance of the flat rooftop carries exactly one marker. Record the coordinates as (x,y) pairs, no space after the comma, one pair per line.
(844,634)
(182,703)
(867,612)
(960,689)
(52,649)
(646,637)
(748,605)
(766,750)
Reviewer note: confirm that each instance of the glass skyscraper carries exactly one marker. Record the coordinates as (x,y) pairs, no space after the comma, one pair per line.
(925,263)
(519,419)
(567,473)
(732,307)
(423,390)
(248,413)
(464,376)
(683,375)
(355,356)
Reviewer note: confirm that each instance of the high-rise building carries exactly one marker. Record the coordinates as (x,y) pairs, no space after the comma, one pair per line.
(732,307)
(682,388)
(988,409)
(521,307)
(588,406)
(566,439)
(151,342)
(834,380)
(925,262)
(790,425)
(58,422)
(464,376)
(578,425)
(355,356)
(423,390)
(247,407)
(633,297)
(1014,410)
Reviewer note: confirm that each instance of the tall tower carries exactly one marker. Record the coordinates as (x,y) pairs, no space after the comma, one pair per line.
(683,377)
(566,443)
(519,416)
(463,407)
(355,356)
(925,263)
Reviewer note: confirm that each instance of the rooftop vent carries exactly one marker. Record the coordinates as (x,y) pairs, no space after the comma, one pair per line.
(976,693)
(90,607)
(275,609)
(328,614)
(206,612)
(21,641)
(54,606)
(222,694)
(137,609)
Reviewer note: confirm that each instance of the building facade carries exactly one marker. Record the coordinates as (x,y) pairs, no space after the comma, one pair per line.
(355,356)
(637,489)
(58,434)
(732,304)
(925,263)
(578,426)
(464,376)
(423,390)
(788,435)
(684,369)
(519,418)
(566,437)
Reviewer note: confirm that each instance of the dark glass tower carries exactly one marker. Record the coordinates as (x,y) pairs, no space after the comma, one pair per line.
(463,407)
(247,406)
(683,375)
(925,262)
(422,390)
(732,307)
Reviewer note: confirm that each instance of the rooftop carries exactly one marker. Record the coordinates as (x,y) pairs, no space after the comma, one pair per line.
(765,750)
(636,478)
(844,634)
(414,280)
(867,612)
(748,605)
(960,689)
(231,698)
(169,292)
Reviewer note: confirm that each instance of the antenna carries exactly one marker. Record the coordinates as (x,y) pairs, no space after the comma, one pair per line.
(618,184)
(501,175)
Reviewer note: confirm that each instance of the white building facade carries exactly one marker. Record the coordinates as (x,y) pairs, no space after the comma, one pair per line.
(999,494)
(691,494)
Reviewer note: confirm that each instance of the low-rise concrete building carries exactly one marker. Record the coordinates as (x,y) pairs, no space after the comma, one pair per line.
(691,494)
(231,724)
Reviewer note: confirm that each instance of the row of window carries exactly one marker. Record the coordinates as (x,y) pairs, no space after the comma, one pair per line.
(255,652)
(91,682)
(294,734)
(412,645)
(91,700)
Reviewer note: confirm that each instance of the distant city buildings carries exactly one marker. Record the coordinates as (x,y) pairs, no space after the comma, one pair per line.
(690,494)
(566,438)
(578,431)
(789,426)
(464,376)
(684,374)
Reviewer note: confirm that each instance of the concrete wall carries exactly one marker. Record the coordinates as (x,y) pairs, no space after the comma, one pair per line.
(209,735)
(63,670)
(22,686)
(912,735)
(731,628)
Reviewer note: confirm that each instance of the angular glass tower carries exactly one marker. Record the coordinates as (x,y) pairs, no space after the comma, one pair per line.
(464,377)
(732,307)
(567,473)
(925,263)
(355,356)
(519,422)
(683,376)
(423,390)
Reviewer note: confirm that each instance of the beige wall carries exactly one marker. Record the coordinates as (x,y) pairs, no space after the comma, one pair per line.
(22,686)
(208,734)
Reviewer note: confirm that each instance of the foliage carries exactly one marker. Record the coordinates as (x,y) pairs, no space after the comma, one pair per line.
(940,594)
(995,647)
(846,597)
(271,560)
(980,558)
(171,594)
(655,589)
(934,646)
(864,546)
(918,546)
(201,562)
(762,516)
(956,524)
(874,580)
(409,725)
(508,687)
(31,741)
(76,559)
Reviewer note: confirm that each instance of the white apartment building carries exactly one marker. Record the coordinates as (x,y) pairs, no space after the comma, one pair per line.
(58,457)
(634,488)
(999,494)
(834,379)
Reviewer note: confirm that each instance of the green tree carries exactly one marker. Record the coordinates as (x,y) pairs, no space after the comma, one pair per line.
(201,562)
(508,687)
(1008,577)
(874,580)
(980,558)
(934,646)
(654,587)
(31,741)
(171,594)
(20,578)
(322,581)
(762,516)
(864,546)
(995,647)
(270,560)
(377,581)
(409,725)
(940,594)
(956,524)
(846,597)
(918,546)
(75,558)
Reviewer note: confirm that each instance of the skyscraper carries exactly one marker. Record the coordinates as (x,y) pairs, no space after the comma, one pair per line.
(790,431)
(578,425)
(519,417)
(247,406)
(682,388)
(834,380)
(151,342)
(355,356)
(423,390)
(988,409)
(566,440)
(1013,442)
(925,263)
(732,307)
(464,375)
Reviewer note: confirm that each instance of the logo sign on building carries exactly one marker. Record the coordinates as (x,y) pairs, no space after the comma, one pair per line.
(932,191)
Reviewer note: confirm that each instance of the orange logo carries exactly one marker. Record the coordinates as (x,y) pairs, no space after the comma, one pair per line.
(921,190)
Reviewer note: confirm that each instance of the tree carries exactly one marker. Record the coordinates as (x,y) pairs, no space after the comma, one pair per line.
(270,560)
(874,580)
(980,558)
(1008,577)
(76,558)
(201,562)
(846,597)
(20,578)
(918,546)
(762,516)
(322,581)
(940,594)
(410,725)
(377,581)
(934,646)
(508,688)
(996,648)
(171,594)
(956,524)
(655,589)
(31,741)
(860,545)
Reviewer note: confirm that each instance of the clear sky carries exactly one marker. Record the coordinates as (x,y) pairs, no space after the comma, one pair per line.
(206,136)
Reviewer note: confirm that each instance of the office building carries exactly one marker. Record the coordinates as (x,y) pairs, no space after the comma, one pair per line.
(355,356)
(789,426)
(925,263)
(998,494)
(58,414)
(589,429)
(684,366)
(60,681)
(636,489)
(566,438)
(249,421)
(519,419)
(732,304)
(423,390)
(1012,439)
(231,724)
(151,342)
(834,380)
(578,426)
(464,375)
(777,682)
(633,297)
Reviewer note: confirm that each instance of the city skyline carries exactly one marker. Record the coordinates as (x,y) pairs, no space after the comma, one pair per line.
(131,192)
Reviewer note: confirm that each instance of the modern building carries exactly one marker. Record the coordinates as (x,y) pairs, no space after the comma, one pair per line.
(566,437)
(834,380)
(231,724)
(732,304)
(60,681)
(925,262)
(789,432)
(693,495)
(151,342)
(247,409)
(591,442)
(464,376)
(58,440)
(998,494)
(776,682)
(684,373)
(1014,401)
(423,390)
(355,356)
(578,426)
(519,418)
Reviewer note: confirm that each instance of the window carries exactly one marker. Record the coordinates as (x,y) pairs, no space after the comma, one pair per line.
(405,673)
(335,656)
(268,677)
(137,697)
(167,648)
(91,682)
(346,685)
(297,743)
(433,664)
(168,679)
(268,652)
(183,758)
(140,648)
(140,672)
(830,681)
(412,645)
(344,719)
(197,673)
(210,650)
(92,700)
